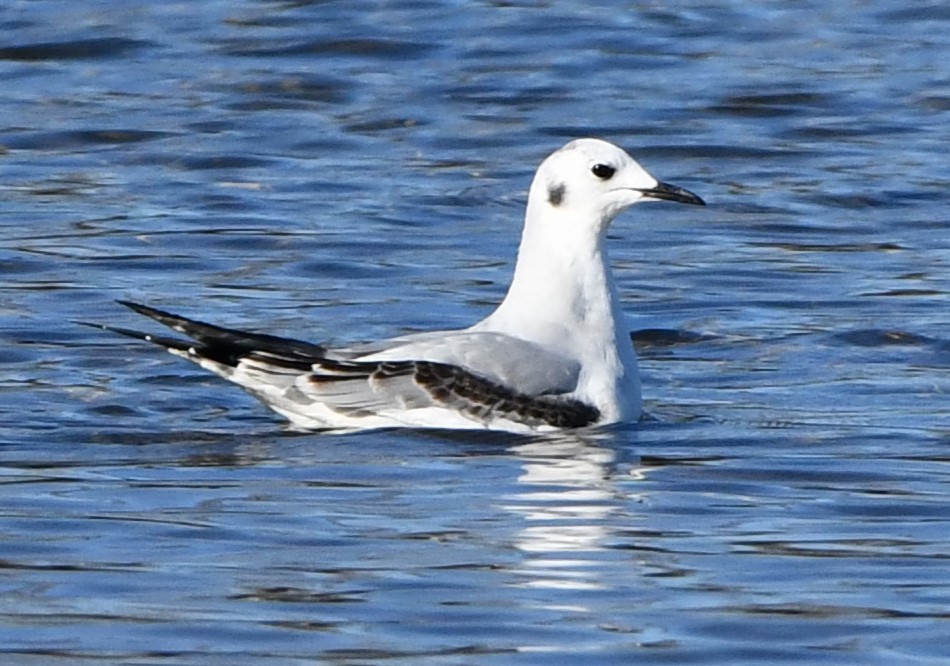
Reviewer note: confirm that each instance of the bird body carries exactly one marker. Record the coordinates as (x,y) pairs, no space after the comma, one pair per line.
(555,354)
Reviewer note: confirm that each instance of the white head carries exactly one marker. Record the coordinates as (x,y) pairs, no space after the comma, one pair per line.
(590,181)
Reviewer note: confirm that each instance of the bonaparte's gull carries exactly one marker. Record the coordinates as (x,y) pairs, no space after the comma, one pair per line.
(554,354)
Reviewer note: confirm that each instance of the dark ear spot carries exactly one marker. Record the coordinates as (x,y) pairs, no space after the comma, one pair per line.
(556,194)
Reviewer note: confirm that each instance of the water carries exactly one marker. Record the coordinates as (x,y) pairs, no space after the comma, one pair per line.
(346,171)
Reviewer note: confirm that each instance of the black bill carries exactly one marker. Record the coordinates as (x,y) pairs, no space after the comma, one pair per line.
(669,192)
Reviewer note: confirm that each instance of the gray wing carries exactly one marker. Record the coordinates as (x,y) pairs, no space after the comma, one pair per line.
(518,364)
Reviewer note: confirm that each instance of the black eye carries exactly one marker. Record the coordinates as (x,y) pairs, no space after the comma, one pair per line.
(603,171)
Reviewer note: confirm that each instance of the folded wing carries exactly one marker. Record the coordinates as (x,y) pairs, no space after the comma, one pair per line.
(479,376)
(380,386)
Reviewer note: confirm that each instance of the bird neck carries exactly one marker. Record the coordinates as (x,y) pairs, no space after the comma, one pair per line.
(562,297)
(562,294)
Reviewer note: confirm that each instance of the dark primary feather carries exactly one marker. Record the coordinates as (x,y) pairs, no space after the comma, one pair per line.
(228,345)
(176,344)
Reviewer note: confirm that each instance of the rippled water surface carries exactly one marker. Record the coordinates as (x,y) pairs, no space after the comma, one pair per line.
(345,171)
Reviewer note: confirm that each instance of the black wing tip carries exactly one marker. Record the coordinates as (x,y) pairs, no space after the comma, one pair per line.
(148,311)
(131,304)
(132,333)
(160,340)
(211,334)
(90,324)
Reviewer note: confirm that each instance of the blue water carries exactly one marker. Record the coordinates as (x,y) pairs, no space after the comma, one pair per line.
(346,171)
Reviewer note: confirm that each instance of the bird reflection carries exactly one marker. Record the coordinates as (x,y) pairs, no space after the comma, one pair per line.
(571,503)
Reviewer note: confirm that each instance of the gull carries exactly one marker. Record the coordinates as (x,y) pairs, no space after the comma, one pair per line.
(555,354)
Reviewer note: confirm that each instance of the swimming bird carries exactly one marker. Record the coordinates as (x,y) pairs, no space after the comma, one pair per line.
(555,354)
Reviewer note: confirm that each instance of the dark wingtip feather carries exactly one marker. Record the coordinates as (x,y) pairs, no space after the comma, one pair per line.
(240,342)
(176,322)
(160,340)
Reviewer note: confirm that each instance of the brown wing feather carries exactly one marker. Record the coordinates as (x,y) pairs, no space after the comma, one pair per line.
(449,386)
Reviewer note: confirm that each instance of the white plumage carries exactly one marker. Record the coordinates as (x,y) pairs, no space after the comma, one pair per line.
(554,354)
